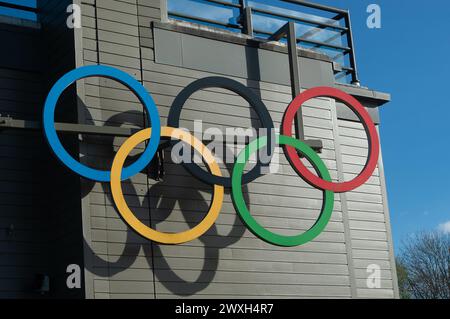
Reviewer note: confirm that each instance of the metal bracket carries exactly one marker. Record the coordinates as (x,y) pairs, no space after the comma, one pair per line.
(288,31)
(246,19)
(10,123)
(155,169)
(68,128)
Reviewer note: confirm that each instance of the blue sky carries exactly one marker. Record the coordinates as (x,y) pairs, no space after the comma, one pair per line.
(409,58)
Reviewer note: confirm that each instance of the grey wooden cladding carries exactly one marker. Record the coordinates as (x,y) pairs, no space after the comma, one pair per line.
(111,27)
(228,261)
(62,189)
(368,230)
(223,58)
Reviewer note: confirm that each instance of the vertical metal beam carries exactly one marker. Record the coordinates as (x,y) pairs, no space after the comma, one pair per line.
(248,25)
(246,18)
(242,18)
(387,219)
(344,203)
(295,77)
(164,10)
(242,4)
(348,22)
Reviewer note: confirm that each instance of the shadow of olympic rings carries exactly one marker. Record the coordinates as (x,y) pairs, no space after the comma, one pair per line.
(153,251)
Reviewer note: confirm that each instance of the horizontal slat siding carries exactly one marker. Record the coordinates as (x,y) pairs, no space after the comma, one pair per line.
(23,222)
(228,261)
(112,28)
(63,205)
(369,234)
(235,259)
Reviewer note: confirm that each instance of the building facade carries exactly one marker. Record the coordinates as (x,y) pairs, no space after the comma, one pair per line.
(52,218)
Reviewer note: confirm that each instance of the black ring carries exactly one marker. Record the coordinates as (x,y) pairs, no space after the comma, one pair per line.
(254,101)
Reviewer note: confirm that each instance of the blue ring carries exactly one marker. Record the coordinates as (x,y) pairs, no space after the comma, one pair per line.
(128,81)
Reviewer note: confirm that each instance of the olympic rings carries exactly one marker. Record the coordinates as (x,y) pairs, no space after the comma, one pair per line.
(127,214)
(254,101)
(247,218)
(364,117)
(114,74)
(214,176)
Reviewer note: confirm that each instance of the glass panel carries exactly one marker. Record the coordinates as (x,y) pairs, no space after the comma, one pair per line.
(296,10)
(19,13)
(202,9)
(24,3)
(320,30)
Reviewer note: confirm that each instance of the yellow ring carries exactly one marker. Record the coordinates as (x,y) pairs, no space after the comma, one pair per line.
(127,214)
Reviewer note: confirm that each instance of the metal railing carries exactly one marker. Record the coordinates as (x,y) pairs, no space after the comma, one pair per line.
(338,25)
(18,10)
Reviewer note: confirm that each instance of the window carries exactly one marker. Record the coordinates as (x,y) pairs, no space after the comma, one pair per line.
(22,9)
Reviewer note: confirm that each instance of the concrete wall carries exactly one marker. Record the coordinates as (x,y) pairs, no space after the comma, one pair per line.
(228,261)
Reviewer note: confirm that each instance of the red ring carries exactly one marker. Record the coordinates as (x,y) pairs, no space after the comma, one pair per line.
(369,126)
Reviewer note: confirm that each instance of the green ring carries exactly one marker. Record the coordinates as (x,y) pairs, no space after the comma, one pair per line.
(247,218)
